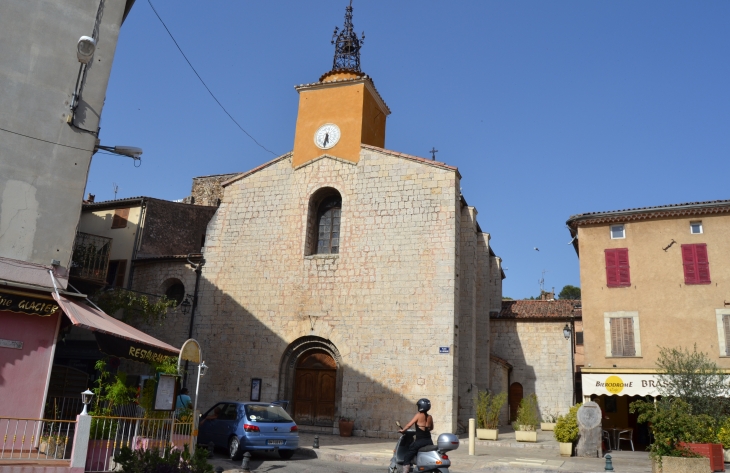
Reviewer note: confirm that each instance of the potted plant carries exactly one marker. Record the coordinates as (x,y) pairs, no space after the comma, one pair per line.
(548,421)
(488,408)
(566,431)
(55,446)
(527,420)
(346,426)
(723,436)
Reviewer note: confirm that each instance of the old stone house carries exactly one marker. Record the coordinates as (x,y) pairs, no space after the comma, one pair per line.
(347,278)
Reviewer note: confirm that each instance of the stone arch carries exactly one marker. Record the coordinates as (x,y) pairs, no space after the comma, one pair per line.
(298,349)
(174,289)
(318,197)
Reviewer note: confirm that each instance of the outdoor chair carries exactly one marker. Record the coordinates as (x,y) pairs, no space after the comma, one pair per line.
(627,436)
(607,439)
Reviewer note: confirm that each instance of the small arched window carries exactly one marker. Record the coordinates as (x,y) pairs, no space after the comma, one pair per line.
(328,225)
(174,290)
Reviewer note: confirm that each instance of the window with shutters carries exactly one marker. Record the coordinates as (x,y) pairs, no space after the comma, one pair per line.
(120,218)
(696,264)
(579,338)
(723,331)
(617,267)
(622,337)
(726,332)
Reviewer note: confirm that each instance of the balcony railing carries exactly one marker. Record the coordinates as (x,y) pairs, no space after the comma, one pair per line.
(91,257)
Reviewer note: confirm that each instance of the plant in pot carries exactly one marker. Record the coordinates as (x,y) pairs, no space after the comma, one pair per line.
(346,426)
(723,436)
(566,430)
(527,420)
(548,420)
(488,408)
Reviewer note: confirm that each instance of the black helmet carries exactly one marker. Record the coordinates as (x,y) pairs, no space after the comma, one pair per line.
(424,405)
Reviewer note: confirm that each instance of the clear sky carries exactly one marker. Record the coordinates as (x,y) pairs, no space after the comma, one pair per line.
(547,108)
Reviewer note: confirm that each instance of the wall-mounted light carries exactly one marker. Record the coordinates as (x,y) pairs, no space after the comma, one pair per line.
(85,49)
(566,332)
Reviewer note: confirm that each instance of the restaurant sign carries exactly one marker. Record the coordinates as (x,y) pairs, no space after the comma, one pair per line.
(620,384)
(22,304)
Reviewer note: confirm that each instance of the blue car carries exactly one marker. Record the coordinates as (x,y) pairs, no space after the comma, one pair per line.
(249,427)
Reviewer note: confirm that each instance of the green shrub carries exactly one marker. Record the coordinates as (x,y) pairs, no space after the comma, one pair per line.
(672,423)
(171,461)
(723,435)
(566,429)
(527,416)
(488,407)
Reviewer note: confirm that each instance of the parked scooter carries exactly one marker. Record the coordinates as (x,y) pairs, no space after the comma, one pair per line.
(429,458)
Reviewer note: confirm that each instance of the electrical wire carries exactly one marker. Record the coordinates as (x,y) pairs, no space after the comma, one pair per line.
(203,82)
(45,141)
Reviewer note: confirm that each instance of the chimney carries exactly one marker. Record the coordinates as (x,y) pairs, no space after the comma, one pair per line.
(90,198)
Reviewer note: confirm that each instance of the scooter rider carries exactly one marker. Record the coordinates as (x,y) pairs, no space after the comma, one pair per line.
(424,425)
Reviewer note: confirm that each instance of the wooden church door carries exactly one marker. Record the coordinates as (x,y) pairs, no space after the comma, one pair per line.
(515,396)
(314,390)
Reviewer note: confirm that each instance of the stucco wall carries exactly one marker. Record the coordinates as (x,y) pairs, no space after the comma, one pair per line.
(387,302)
(671,313)
(99,222)
(42,183)
(540,357)
(24,372)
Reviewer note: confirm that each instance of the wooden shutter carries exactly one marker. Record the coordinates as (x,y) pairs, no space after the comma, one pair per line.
(726,326)
(622,337)
(696,264)
(120,218)
(622,260)
(611,269)
(703,264)
(121,271)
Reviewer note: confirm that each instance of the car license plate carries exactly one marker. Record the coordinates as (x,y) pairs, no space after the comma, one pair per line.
(276,442)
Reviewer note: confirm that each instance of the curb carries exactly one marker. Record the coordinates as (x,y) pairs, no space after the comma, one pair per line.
(496,443)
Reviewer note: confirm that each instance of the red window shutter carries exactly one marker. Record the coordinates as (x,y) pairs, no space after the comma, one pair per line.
(688,262)
(624,276)
(703,264)
(611,269)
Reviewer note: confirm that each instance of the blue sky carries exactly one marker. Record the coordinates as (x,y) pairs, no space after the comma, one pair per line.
(548,108)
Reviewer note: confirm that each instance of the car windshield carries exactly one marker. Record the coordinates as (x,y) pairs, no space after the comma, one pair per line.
(259,413)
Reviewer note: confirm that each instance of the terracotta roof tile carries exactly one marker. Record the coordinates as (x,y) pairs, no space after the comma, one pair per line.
(529,309)
(644,213)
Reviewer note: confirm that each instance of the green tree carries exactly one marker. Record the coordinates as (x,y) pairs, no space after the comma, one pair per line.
(569,292)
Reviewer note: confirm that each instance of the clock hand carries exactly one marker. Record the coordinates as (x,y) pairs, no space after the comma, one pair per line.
(326,138)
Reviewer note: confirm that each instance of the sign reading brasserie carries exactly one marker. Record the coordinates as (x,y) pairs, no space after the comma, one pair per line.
(27,305)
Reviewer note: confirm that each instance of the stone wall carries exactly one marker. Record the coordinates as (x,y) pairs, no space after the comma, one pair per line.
(173,228)
(207,190)
(383,305)
(540,357)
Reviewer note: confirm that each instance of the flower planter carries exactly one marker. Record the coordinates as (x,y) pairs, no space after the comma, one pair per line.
(547,426)
(726,454)
(566,449)
(681,465)
(346,427)
(713,451)
(526,435)
(487,434)
(146,443)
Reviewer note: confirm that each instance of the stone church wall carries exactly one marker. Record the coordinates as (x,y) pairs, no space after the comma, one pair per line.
(385,303)
(540,359)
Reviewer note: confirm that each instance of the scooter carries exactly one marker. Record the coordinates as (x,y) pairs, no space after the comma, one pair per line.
(428,458)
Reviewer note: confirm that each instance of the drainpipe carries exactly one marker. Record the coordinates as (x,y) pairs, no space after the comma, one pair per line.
(572,355)
(198,271)
(137,240)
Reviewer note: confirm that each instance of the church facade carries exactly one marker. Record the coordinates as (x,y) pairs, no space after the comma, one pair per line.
(346,278)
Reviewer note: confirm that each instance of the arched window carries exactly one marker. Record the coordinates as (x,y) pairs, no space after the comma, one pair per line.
(328,225)
(174,289)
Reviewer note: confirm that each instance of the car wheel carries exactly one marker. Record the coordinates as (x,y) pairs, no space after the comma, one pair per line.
(286,454)
(234,449)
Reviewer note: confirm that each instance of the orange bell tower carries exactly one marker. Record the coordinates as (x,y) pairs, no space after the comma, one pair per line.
(341,111)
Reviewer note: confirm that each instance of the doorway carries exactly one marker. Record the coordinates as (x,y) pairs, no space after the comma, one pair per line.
(315,389)
(515,397)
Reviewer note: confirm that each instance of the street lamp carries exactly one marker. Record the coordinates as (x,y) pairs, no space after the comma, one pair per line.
(185,305)
(86,399)
(567,331)
(85,49)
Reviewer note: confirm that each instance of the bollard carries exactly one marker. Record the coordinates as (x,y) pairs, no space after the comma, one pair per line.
(472,435)
(316,442)
(244,463)
(219,469)
(609,464)
(211,448)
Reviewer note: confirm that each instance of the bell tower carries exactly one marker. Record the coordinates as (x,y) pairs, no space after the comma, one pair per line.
(343,110)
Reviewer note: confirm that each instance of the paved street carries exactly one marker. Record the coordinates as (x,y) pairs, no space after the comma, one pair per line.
(264,462)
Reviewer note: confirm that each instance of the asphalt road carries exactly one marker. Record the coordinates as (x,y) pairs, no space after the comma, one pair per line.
(270,462)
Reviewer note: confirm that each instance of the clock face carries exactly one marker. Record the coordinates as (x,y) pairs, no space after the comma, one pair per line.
(327,136)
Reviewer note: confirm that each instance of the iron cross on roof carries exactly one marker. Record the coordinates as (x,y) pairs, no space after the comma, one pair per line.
(433,153)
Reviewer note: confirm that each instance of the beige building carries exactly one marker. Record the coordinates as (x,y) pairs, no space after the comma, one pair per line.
(349,279)
(650,277)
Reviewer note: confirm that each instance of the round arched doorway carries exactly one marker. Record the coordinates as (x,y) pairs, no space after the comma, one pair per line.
(315,382)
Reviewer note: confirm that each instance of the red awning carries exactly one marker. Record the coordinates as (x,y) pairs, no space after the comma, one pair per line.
(114,337)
